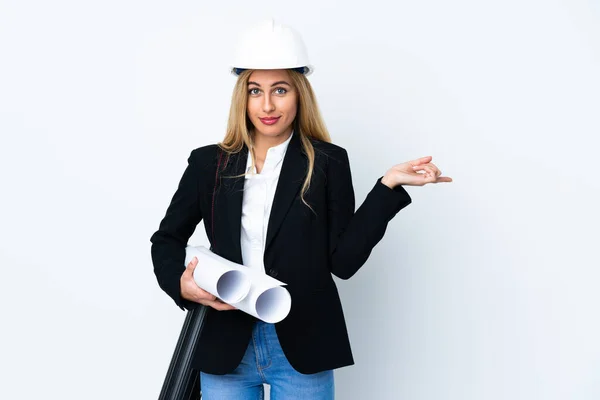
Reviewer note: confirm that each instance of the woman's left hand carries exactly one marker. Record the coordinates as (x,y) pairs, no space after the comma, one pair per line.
(408,173)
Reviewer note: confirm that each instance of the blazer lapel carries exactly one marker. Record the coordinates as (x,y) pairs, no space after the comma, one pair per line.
(228,206)
(291,178)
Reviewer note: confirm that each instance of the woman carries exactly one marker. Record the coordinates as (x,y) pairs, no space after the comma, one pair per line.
(276,195)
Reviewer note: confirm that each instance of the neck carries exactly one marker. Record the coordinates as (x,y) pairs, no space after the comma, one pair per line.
(262,143)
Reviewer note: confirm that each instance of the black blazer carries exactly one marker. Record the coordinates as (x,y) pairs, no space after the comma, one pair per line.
(303,249)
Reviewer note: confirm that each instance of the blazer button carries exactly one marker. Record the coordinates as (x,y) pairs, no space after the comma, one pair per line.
(273,272)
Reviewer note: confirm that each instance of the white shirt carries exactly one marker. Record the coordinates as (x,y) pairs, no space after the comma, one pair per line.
(259,191)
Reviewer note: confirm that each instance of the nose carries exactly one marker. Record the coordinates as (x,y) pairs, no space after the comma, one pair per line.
(268,105)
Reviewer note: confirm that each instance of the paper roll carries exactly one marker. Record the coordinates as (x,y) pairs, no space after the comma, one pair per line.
(267,300)
(249,290)
(217,275)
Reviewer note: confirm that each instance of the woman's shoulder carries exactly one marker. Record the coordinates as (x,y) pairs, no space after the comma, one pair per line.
(205,151)
(329,150)
(204,157)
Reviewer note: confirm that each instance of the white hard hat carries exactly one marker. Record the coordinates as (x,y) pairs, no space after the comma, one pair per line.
(270,45)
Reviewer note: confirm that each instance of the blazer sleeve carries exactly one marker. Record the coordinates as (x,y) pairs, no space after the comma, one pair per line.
(352,235)
(179,223)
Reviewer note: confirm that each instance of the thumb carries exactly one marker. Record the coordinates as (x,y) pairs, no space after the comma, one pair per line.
(189,269)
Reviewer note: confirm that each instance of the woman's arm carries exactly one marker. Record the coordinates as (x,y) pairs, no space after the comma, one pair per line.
(177,226)
(352,235)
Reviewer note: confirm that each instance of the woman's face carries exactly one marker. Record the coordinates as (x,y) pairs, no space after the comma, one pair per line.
(272,102)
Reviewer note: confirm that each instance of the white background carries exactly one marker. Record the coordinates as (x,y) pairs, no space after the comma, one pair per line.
(484,288)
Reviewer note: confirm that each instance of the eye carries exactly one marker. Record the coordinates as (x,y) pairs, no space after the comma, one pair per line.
(251,91)
(283,91)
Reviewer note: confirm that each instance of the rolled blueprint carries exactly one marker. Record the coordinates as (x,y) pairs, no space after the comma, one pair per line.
(217,275)
(249,290)
(267,300)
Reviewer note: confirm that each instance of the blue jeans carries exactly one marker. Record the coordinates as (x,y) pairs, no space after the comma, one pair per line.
(264,362)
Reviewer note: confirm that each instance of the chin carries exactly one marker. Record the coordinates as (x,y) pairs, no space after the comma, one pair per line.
(270,131)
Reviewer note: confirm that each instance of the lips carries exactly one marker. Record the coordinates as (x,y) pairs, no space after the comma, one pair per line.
(269,120)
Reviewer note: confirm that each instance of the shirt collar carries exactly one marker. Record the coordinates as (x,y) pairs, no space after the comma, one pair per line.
(275,154)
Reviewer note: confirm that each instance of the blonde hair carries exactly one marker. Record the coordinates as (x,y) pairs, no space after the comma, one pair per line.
(308,123)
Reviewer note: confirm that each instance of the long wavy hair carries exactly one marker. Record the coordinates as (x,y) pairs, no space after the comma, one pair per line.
(308,123)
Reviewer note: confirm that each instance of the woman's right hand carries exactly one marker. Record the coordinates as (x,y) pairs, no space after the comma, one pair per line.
(191,291)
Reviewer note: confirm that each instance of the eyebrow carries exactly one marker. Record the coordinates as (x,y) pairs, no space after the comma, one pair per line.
(274,84)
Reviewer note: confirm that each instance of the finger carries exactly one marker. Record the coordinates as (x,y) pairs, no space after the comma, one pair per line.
(427,167)
(429,176)
(444,179)
(204,295)
(220,306)
(429,171)
(418,167)
(435,169)
(209,297)
(219,301)
(423,179)
(421,160)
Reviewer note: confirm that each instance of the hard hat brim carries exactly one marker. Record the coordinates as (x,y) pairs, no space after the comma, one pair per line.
(306,70)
